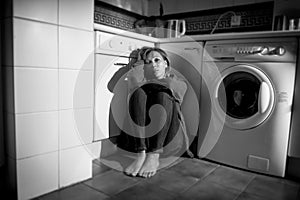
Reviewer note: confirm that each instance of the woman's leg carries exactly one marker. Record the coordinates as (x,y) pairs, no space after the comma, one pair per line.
(163,116)
(155,143)
(137,111)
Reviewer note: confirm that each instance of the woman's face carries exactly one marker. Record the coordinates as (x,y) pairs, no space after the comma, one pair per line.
(156,64)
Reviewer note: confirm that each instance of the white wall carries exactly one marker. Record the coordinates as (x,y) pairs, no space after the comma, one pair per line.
(49,91)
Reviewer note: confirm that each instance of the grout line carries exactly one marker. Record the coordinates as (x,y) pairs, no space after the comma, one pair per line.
(97,190)
(201,178)
(47,111)
(51,23)
(49,68)
(245,187)
(34,20)
(36,155)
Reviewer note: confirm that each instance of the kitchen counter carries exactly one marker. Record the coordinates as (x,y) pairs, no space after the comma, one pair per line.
(205,37)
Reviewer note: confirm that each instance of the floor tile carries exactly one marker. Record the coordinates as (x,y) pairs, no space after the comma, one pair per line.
(185,179)
(75,192)
(206,190)
(144,191)
(273,187)
(249,196)
(111,182)
(99,169)
(171,181)
(230,177)
(194,167)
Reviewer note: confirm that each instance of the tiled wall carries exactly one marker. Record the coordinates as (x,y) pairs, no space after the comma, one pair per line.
(48,69)
(254,17)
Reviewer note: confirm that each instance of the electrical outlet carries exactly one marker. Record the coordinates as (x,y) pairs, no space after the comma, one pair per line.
(235,20)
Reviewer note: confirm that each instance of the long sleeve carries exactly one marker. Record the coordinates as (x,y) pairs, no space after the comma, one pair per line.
(177,86)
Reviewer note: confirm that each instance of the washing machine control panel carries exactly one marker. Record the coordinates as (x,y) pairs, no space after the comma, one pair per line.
(247,50)
(261,50)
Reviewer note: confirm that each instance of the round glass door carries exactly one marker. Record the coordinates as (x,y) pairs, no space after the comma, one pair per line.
(242,89)
(245,96)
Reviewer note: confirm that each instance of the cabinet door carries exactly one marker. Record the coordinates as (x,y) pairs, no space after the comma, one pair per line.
(106,67)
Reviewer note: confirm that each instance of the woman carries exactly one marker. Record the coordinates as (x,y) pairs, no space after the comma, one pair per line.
(154,99)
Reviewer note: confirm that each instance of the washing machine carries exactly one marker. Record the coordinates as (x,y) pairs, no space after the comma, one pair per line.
(246,103)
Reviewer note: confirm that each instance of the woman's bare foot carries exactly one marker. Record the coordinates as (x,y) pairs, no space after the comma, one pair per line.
(150,165)
(135,167)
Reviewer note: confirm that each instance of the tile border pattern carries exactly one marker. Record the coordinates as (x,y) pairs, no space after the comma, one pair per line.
(115,17)
(254,17)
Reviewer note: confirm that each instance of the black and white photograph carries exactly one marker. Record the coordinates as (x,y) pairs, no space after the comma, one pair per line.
(150,100)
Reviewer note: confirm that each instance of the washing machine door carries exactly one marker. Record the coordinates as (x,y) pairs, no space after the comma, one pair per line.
(244,95)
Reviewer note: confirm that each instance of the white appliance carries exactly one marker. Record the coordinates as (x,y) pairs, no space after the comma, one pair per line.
(111,53)
(184,57)
(246,103)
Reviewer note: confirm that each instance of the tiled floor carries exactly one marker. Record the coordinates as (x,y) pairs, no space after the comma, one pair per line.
(186,179)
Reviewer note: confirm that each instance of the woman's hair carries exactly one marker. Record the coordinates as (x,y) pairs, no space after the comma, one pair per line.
(147,50)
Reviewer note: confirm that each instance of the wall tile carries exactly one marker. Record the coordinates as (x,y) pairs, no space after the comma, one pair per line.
(75,89)
(36,133)
(76,49)
(41,10)
(35,44)
(79,14)
(37,175)
(36,90)
(75,165)
(75,127)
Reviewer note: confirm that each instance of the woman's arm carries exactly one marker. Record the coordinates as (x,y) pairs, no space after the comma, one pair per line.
(178,87)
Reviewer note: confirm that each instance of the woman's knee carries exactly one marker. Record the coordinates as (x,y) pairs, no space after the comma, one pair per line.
(137,96)
(163,98)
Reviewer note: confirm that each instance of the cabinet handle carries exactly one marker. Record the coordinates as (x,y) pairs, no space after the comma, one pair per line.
(122,64)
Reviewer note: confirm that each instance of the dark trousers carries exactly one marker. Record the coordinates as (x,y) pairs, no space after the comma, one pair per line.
(151,108)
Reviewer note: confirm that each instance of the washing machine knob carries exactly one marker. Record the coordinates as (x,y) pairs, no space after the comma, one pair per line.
(261,50)
(279,51)
(264,51)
